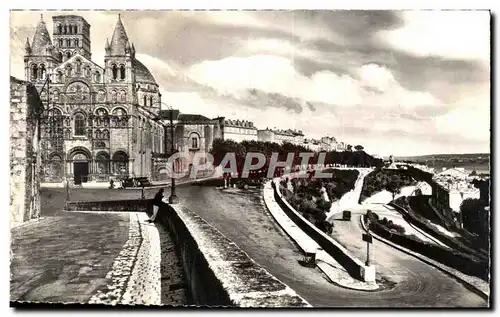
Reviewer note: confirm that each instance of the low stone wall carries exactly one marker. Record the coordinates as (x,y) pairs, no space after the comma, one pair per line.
(353,265)
(219,273)
(420,222)
(454,259)
(135,205)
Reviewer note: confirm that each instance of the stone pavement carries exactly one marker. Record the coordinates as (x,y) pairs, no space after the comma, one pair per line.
(95,257)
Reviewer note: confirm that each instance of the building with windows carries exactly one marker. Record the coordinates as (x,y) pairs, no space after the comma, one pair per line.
(237,130)
(280,136)
(98,122)
(193,133)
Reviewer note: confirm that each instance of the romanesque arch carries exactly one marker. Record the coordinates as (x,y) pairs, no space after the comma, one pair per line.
(120,162)
(103,163)
(54,171)
(79,153)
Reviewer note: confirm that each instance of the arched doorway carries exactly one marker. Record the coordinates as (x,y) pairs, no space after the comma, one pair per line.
(80,158)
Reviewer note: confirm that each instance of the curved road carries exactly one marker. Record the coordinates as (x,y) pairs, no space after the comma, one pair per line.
(243,218)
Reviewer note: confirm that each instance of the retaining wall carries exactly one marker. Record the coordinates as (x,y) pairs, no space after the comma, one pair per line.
(352,264)
(218,272)
(418,221)
(448,257)
(135,205)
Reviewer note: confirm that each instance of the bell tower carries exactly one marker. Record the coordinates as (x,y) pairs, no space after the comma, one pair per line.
(40,55)
(71,36)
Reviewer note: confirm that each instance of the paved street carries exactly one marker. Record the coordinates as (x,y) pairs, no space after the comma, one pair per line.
(242,217)
(95,257)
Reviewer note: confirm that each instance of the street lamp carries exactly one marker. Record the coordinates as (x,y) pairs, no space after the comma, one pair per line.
(173,199)
(51,121)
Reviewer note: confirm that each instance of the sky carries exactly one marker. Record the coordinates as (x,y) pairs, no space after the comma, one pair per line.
(396,82)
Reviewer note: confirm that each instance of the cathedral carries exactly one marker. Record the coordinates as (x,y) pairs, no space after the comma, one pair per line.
(98,123)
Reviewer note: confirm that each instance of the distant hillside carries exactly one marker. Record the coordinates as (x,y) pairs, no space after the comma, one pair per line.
(479,162)
(446,156)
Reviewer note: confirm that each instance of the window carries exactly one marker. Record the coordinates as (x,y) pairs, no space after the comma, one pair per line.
(77,43)
(76,29)
(97,77)
(59,29)
(68,71)
(123,96)
(150,101)
(78,66)
(42,71)
(145,100)
(61,43)
(122,72)
(79,124)
(60,56)
(68,55)
(65,29)
(115,71)
(113,96)
(195,144)
(34,72)
(68,42)
(59,76)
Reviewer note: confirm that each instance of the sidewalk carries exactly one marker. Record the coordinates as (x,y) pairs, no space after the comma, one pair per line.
(95,257)
(65,258)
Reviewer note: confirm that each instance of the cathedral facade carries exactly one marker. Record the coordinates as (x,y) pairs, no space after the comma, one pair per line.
(98,123)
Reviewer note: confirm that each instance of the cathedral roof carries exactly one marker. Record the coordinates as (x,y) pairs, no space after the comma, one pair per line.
(142,73)
(119,40)
(192,117)
(41,39)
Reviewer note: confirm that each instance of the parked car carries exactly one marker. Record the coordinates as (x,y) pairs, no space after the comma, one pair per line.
(346,215)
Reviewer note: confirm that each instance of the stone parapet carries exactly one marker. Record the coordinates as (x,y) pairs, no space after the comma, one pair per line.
(355,267)
(219,273)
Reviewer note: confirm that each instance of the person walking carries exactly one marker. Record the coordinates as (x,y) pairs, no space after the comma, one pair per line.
(157,200)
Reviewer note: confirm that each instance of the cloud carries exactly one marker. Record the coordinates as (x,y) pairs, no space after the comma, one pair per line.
(275,74)
(449,34)
(384,79)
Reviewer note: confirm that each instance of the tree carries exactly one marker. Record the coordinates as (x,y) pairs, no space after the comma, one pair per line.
(472,215)
(393,187)
(359,148)
(349,147)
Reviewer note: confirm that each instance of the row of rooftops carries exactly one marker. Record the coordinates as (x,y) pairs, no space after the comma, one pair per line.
(164,114)
(239,124)
(452,179)
(287,132)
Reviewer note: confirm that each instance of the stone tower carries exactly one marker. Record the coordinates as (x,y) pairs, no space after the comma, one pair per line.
(118,67)
(71,36)
(40,55)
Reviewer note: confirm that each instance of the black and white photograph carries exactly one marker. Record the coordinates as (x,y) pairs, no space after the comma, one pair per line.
(250,158)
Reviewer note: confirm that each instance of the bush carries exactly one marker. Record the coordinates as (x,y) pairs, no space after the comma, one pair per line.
(323,205)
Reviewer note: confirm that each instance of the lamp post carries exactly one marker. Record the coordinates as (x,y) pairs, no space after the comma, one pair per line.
(368,239)
(173,199)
